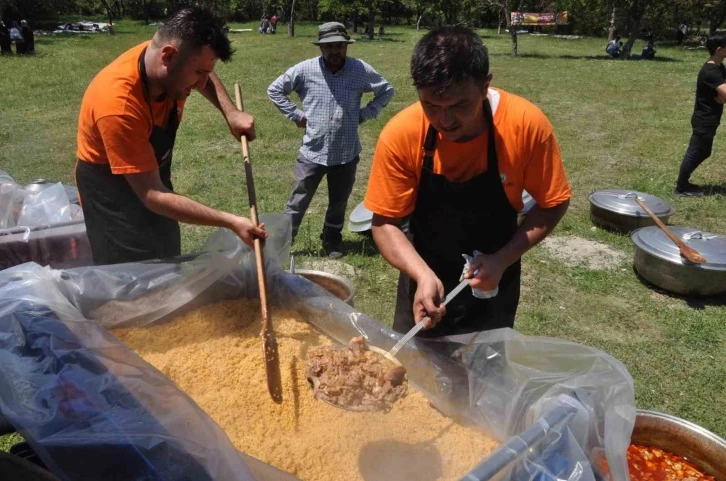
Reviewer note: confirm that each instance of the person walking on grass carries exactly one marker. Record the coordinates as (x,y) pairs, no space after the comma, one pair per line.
(330,87)
(710,97)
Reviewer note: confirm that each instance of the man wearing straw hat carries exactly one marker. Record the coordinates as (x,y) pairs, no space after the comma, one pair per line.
(330,87)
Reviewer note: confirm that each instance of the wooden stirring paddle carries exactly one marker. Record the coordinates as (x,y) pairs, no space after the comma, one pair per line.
(687,251)
(269,341)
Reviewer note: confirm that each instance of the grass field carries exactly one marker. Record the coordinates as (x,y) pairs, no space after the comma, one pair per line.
(621,124)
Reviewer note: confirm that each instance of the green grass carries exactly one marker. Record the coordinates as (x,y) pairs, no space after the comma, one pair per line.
(620,124)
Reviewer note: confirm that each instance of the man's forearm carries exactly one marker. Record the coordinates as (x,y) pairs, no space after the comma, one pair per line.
(184,209)
(397,250)
(536,226)
(217,95)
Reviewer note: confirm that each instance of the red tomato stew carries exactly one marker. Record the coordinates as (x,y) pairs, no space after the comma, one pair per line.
(646,463)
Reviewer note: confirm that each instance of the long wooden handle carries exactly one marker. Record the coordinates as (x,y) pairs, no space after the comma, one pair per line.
(686,251)
(269,342)
(660,223)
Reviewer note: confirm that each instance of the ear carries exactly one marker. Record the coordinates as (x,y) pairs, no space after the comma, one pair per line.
(487,84)
(169,54)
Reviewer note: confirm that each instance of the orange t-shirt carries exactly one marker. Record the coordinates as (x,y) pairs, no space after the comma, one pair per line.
(527,153)
(116,121)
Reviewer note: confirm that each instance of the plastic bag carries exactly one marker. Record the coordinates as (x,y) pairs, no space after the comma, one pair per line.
(11,201)
(563,405)
(48,206)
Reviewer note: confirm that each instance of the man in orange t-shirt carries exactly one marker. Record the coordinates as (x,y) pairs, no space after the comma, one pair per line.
(126,132)
(455,164)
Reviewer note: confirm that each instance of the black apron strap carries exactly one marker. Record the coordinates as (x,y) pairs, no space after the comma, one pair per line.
(429,148)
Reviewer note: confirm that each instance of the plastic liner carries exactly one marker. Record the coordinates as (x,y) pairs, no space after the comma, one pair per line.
(42,227)
(569,404)
(48,206)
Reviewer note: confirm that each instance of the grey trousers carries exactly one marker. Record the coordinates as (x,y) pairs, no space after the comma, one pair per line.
(307,178)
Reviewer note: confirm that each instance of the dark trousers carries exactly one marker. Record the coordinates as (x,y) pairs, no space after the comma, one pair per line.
(307,178)
(699,149)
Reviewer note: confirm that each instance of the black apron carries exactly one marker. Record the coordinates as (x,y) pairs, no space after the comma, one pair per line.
(119,227)
(455,218)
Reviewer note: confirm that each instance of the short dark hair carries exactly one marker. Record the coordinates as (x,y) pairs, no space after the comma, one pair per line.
(196,27)
(447,56)
(715,42)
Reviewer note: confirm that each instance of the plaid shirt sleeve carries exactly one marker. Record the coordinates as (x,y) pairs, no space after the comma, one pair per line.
(382,91)
(283,86)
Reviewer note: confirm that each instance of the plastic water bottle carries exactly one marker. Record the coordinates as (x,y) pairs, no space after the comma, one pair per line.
(478,293)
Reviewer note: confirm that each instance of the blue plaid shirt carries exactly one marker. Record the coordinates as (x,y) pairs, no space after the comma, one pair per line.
(331,104)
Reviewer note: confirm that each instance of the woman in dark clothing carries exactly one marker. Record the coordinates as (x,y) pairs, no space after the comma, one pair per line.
(5,43)
(28,36)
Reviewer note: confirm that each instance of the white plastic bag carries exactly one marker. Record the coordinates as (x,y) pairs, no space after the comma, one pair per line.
(49,206)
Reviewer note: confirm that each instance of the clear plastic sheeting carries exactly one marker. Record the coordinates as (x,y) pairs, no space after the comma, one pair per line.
(48,206)
(559,408)
(42,227)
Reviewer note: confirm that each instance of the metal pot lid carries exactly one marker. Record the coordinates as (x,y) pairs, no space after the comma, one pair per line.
(711,246)
(361,215)
(37,185)
(623,202)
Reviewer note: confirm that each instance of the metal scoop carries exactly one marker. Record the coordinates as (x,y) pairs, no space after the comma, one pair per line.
(424,322)
(314,381)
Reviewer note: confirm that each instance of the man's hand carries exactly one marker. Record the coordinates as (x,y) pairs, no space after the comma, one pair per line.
(490,267)
(720,97)
(241,123)
(247,231)
(302,123)
(427,301)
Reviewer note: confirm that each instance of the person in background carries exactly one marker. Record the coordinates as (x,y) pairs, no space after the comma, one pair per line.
(648,51)
(127,128)
(613,47)
(273,24)
(17,36)
(330,87)
(264,25)
(5,42)
(28,37)
(681,32)
(707,112)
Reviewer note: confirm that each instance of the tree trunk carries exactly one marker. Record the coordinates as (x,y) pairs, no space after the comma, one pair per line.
(611,30)
(371,19)
(499,29)
(512,28)
(634,18)
(291,23)
(718,11)
(418,23)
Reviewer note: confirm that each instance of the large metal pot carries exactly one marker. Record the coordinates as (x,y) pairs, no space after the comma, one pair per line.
(339,286)
(616,209)
(18,469)
(698,445)
(658,260)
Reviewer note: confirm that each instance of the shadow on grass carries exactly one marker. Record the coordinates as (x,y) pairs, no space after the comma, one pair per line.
(581,57)
(697,303)
(713,189)
(362,245)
